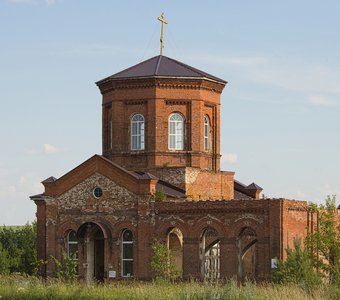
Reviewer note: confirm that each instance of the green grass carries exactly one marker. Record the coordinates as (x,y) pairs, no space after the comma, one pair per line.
(21,287)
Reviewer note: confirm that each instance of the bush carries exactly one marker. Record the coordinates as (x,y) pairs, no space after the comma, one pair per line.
(161,263)
(18,246)
(297,269)
(66,267)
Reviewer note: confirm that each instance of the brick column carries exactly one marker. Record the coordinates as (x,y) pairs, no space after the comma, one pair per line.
(228,258)
(191,260)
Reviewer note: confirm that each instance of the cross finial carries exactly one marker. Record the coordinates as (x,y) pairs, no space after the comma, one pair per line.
(162,19)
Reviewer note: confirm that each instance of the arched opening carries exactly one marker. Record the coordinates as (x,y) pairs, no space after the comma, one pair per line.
(176,132)
(127,253)
(94,250)
(210,254)
(175,245)
(72,244)
(137,132)
(247,254)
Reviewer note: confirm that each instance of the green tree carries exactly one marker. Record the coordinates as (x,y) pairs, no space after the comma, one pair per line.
(4,261)
(20,246)
(324,242)
(298,268)
(161,263)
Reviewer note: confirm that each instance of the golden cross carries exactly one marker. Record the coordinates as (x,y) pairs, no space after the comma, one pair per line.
(162,19)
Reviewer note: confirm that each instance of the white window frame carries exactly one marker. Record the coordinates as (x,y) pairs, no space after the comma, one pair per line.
(122,253)
(207,134)
(71,243)
(176,132)
(137,132)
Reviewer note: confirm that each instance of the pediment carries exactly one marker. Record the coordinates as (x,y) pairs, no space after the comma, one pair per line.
(101,165)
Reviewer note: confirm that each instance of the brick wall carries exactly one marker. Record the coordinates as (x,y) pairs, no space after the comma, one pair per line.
(156,99)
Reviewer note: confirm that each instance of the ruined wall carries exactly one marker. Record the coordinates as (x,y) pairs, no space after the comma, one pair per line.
(199,184)
(296,218)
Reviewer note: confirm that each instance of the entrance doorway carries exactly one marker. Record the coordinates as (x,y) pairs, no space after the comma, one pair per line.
(94,251)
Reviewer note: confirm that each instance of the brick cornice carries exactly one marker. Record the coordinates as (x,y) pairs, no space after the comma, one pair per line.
(161,83)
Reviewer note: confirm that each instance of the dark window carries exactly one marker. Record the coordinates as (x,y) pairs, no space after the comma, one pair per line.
(127,253)
(98,192)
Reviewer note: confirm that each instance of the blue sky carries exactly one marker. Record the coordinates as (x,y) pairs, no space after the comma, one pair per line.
(280,110)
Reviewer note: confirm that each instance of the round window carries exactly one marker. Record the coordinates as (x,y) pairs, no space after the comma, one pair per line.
(97,192)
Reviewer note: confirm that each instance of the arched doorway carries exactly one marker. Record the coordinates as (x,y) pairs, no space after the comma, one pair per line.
(210,254)
(175,245)
(94,250)
(247,254)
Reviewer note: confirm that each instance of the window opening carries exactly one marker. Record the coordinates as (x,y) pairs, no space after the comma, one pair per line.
(137,132)
(176,132)
(127,253)
(206,133)
(72,245)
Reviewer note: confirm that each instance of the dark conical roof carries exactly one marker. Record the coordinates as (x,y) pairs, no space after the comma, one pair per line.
(161,66)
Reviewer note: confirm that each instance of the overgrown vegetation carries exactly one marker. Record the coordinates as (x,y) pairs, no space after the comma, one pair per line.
(324,243)
(162,263)
(66,267)
(18,287)
(160,196)
(297,269)
(18,249)
(319,261)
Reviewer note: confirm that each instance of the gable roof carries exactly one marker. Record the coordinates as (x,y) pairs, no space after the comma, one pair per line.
(161,66)
(97,163)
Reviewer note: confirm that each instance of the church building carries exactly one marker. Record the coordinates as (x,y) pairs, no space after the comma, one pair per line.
(159,178)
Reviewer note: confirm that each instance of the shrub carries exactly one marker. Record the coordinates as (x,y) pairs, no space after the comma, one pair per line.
(161,263)
(297,269)
(66,267)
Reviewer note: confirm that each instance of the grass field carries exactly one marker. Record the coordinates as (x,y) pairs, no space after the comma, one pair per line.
(20,287)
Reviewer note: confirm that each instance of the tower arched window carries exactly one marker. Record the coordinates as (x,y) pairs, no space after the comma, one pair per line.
(137,132)
(176,132)
(127,253)
(207,135)
(72,244)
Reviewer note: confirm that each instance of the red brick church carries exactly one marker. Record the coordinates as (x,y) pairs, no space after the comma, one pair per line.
(159,178)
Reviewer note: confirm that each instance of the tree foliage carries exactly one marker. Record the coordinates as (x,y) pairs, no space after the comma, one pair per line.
(298,268)
(323,243)
(18,249)
(161,263)
(320,259)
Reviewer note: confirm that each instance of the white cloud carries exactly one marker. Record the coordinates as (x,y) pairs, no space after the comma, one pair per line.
(50,149)
(230,158)
(319,100)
